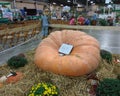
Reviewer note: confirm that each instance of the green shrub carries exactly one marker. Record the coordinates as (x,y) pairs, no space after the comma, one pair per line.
(108,87)
(44,89)
(17,61)
(106,55)
(118,77)
(103,22)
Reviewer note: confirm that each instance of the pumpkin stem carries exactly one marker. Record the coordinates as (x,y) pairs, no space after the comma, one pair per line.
(12,73)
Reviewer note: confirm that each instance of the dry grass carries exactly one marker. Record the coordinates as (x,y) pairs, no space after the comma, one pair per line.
(68,86)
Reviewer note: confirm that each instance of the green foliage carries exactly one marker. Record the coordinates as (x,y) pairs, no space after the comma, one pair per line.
(108,87)
(106,55)
(118,77)
(44,89)
(103,22)
(17,61)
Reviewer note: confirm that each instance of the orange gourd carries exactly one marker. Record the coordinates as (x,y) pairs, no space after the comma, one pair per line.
(83,59)
(1,85)
(14,79)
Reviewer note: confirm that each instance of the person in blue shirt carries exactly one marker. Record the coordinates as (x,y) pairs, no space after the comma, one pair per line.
(94,19)
(95,16)
(44,24)
(87,21)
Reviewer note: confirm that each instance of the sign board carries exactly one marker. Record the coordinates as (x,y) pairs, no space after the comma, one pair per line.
(107,1)
(8,15)
(117,7)
(4,3)
(65,49)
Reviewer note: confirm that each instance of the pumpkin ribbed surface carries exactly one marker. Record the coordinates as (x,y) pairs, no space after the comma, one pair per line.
(83,59)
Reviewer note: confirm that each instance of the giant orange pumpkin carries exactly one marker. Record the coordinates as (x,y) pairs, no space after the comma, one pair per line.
(83,59)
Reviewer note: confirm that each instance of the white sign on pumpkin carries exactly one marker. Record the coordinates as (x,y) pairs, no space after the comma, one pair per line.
(65,49)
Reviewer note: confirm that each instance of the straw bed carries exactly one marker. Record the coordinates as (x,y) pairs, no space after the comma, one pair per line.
(68,86)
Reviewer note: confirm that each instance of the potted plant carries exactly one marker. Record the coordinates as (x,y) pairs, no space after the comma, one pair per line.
(44,89)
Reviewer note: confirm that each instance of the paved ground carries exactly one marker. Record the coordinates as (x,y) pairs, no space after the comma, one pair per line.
(20,48)
(109,40)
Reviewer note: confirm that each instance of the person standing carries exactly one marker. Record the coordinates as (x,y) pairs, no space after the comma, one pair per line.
(87,21)
(80,20)
(44,23)
(72,21)
(94,18)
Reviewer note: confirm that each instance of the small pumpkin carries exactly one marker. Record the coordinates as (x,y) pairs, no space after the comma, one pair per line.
(14,78)
(1,85)
(83,59)
(3,79)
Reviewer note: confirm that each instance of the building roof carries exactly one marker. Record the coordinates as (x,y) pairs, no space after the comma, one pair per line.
(84,2)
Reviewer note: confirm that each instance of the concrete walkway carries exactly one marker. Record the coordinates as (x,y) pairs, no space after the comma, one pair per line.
(109,40)
(20,48)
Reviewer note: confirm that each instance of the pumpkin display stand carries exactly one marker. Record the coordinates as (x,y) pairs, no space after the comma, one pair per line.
(83,59)
(67,85)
